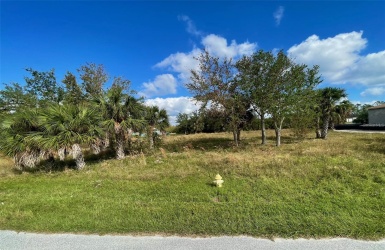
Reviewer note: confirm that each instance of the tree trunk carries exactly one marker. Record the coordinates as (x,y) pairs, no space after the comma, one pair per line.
(45,155)
(317,129)
(27,160)
(277,137)
(278,129)
(325,126)
(129,139)
(77,155)
(119,148)
(151,137)
(96,146)
(62,153)
(106,141)
(239,135)
(96,149)
(263,129)
(235,135)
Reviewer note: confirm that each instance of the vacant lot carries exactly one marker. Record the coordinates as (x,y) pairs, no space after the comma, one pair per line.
(309,188)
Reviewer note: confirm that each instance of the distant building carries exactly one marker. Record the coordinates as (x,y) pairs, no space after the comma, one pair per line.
(350,119)
(377,114)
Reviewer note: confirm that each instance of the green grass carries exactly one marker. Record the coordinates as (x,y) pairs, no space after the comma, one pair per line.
(313,188)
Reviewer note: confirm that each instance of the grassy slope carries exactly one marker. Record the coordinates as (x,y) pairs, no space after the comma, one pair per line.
(316,188)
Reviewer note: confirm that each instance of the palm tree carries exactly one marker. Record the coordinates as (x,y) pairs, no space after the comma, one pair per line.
(343,110)
(69,126)
(329,96)
(16,142)
(121,113)
(156,118)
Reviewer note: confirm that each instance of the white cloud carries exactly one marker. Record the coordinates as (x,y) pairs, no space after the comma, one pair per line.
(162,85)
(373,91)
(368,70)
(191,29)
(174,106)
(340,60)
(183,63)
(218,46)
(334,55)
(278,15)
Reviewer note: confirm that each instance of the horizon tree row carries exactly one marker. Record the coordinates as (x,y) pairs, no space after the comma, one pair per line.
(212,119)
(270,86)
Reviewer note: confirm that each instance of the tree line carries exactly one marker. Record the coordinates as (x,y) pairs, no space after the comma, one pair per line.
(266,88)
(44,120)
(47,120)
(211,120)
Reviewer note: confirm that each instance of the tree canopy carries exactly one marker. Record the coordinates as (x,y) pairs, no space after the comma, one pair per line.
(268,84)
(215,83)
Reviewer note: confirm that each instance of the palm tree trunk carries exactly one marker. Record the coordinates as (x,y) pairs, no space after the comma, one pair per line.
(18,161)
(45,155)
(96,149)
(96,146)
(151,137)
(129,139)
(119,148)
(325,126)
(27,160)
(106,141)
(62,153)
(77,155)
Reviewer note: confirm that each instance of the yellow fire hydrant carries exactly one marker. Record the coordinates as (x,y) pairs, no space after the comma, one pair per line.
(218,181)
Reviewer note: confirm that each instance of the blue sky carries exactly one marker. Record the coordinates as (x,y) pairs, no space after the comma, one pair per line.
(152,43)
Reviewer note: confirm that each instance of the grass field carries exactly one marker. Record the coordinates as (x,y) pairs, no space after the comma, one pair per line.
(313,188)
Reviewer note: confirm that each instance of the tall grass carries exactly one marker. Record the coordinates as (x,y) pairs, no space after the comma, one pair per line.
(308,188)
